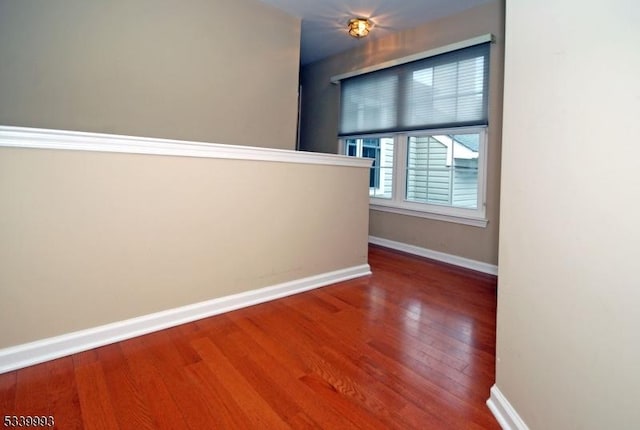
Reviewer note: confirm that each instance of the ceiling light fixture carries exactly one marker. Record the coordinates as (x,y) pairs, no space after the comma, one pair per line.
(359,27)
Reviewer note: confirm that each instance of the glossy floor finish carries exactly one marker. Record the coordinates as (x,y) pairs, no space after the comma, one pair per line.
(410,347)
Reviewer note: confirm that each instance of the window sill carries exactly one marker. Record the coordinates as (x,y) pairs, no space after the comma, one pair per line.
(472,221)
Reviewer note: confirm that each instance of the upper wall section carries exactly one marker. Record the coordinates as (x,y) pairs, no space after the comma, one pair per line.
(177,70)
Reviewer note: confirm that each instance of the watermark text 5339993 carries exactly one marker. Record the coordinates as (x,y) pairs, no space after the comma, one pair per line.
(18,421)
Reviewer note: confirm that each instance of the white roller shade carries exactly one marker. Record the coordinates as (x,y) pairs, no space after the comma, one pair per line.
(447,90)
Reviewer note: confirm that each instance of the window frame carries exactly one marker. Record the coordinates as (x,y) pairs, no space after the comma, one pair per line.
(342,149)
(398,202)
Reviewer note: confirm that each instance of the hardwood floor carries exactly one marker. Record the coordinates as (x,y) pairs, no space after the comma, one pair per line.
(411,346)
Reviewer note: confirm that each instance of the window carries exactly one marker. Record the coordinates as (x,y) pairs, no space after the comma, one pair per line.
(380,149)
(424,125)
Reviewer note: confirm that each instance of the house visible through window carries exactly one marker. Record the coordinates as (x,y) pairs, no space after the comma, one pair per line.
(443,169)
(380,149)
(424,125)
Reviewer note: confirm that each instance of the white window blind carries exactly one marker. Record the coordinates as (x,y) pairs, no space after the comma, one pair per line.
(447,90)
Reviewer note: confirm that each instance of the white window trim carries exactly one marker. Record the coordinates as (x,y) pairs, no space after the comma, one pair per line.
(398,203)
(421,213)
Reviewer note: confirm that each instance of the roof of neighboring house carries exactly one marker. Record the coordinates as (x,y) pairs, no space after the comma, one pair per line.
(471,141)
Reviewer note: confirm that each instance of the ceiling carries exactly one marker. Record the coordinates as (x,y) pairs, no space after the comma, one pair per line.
(324,22)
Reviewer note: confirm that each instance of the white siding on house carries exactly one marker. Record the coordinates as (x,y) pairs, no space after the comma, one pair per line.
(465,179)
(427,174)
(386,168)
(431,178)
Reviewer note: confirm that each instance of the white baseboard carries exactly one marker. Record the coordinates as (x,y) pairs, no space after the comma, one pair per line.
(506,415)
(436,255)
(19,356)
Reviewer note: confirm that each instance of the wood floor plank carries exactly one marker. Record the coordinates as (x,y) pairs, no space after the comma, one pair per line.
(8,388)
(95,402)
(151,381)
(411,346)
(224,410)
(126,396)
(254,406)
(347,389)
(62,394)
(394,410)
(429,389)
(178,393)
(31,393)
(435,368)
(271,374)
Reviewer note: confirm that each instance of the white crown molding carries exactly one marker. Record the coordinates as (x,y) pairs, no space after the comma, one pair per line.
(436,255)
(506,415)
(23,137)
(19,356)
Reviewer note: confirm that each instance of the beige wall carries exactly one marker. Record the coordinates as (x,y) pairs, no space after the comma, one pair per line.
(90,238)
(320,111)
(568,353)
(167,68)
